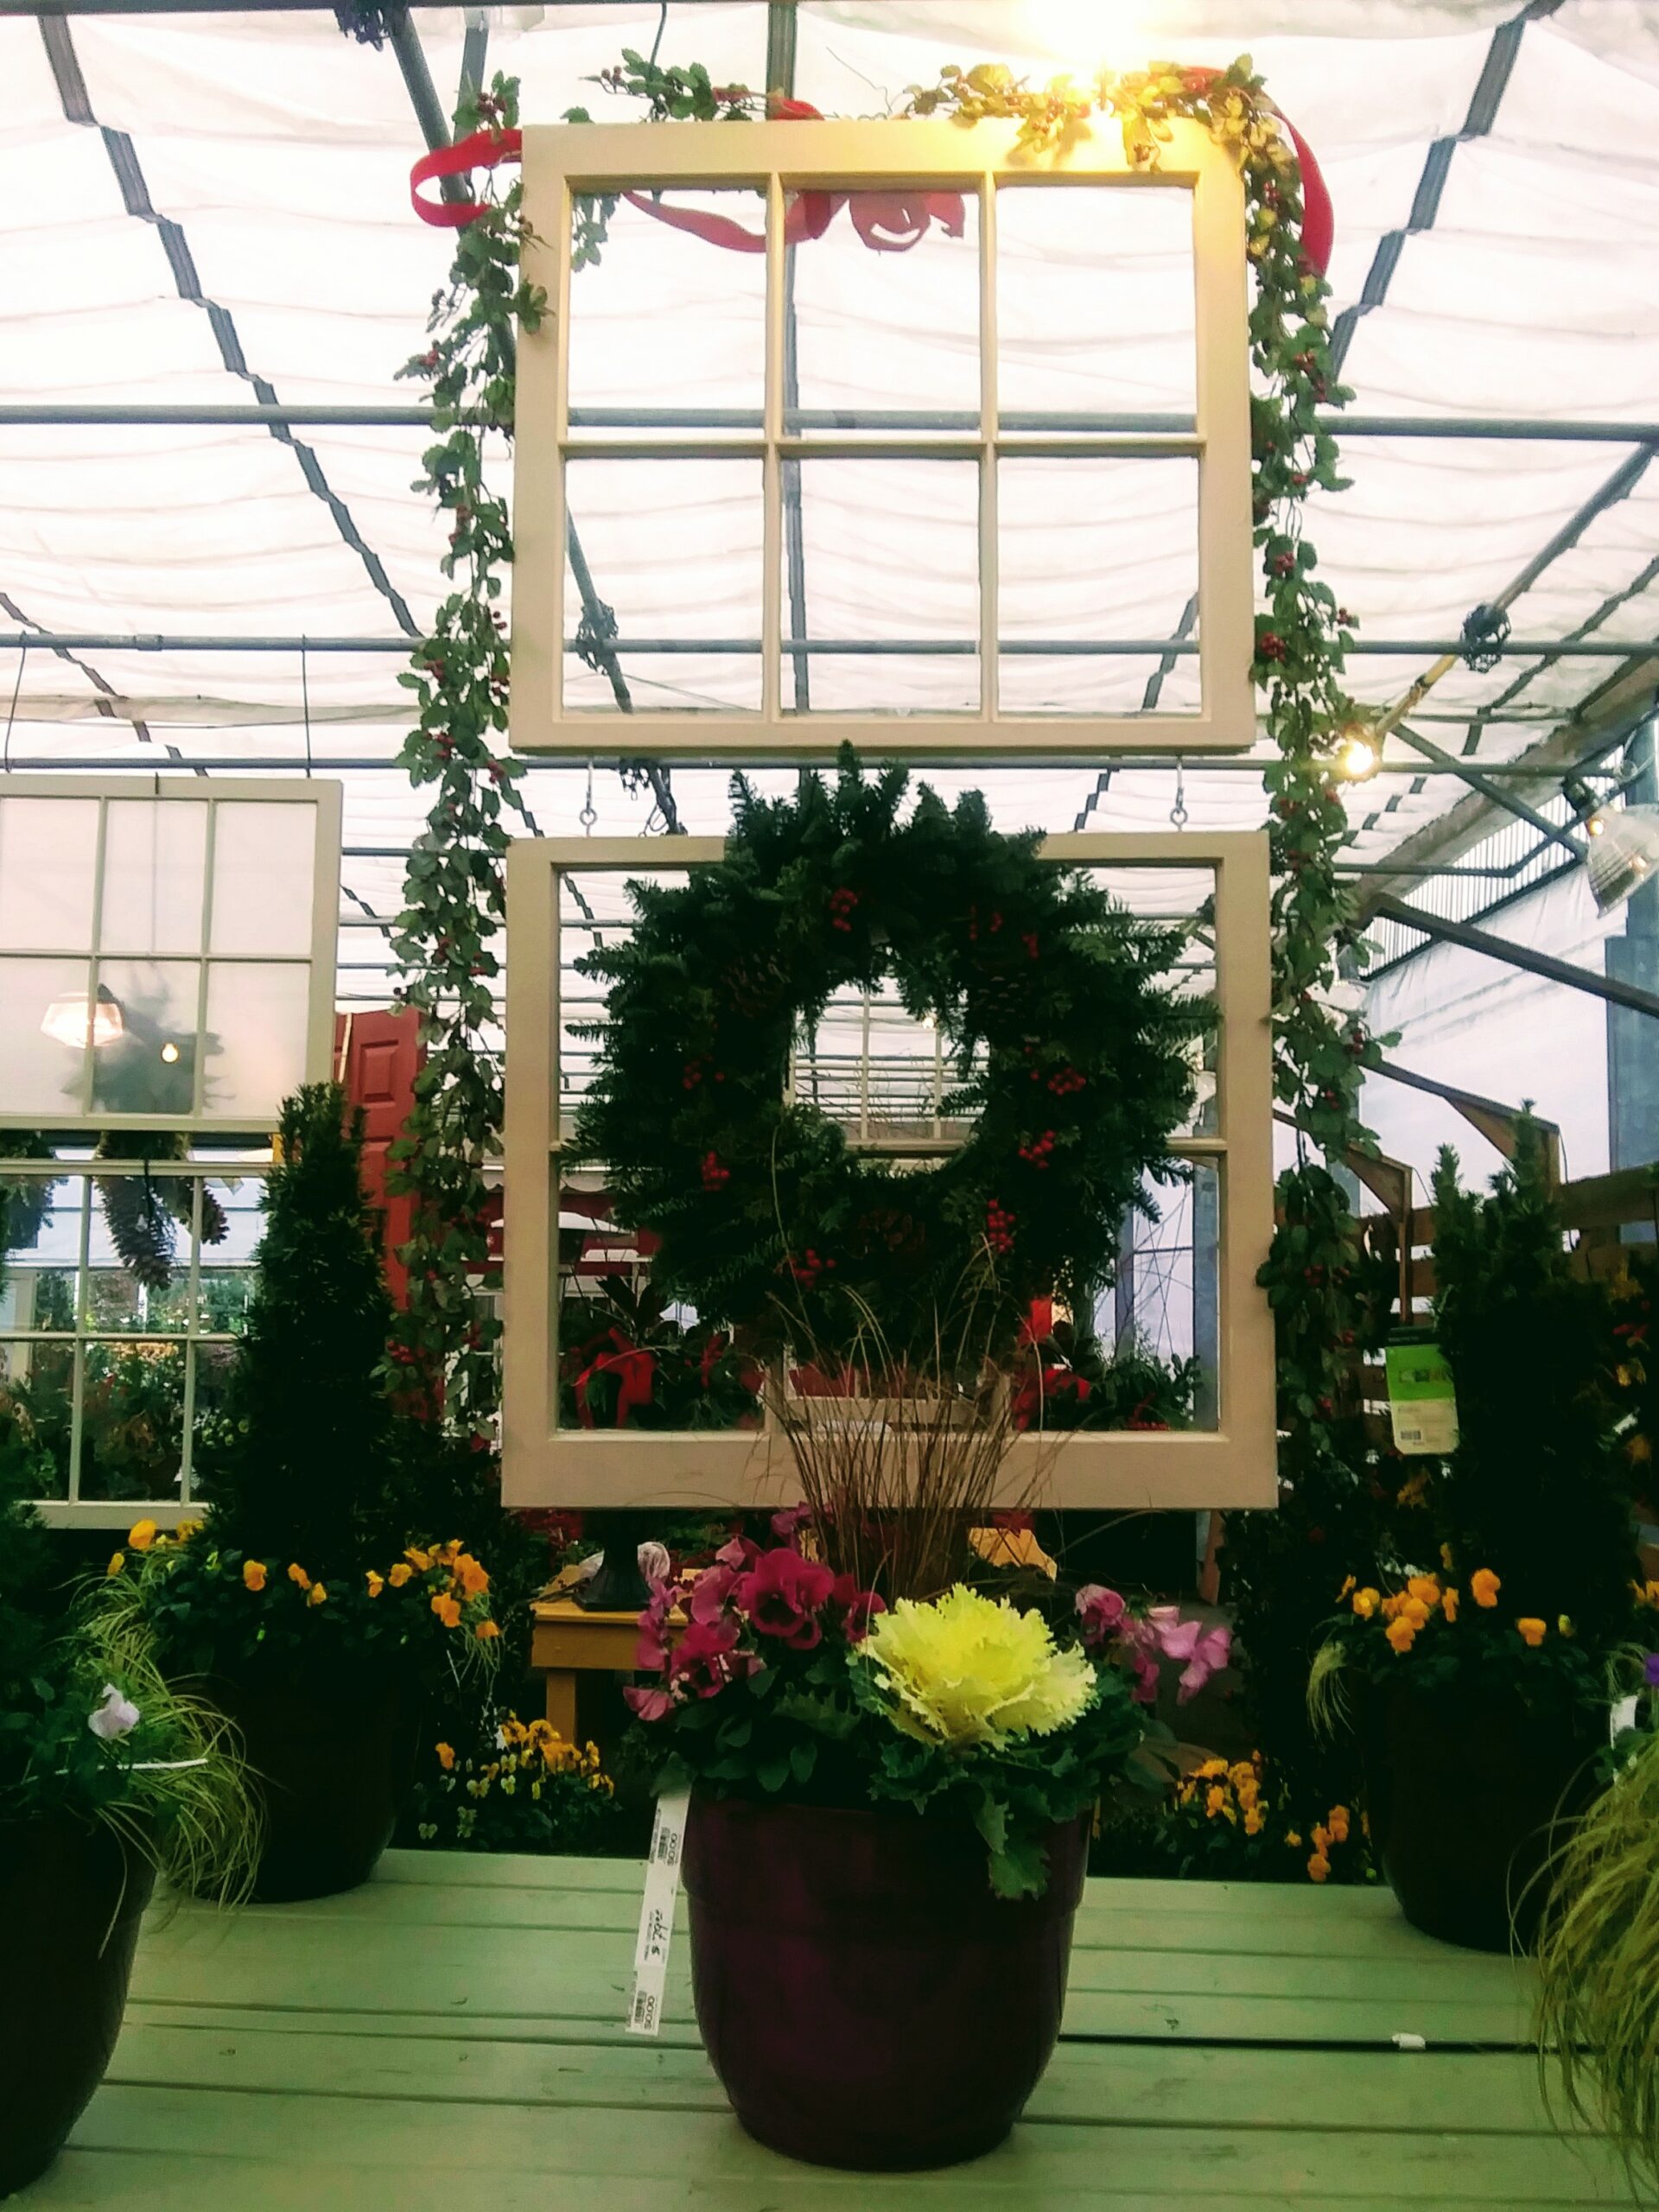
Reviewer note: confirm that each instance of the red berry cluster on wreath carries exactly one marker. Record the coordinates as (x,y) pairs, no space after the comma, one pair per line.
(841,903)
(1064,1080)
(1037,1150)
(994,925)
(810,1265)
(999,1227)
(1029,940)
(715,1175)
(692,1074)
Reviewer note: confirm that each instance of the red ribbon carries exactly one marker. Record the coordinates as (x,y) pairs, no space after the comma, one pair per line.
(635,1369)
(888,222)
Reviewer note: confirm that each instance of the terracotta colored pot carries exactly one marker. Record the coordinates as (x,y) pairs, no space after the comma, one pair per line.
(865,1998)
(71,1899)
(1467,1796)
(333,1763)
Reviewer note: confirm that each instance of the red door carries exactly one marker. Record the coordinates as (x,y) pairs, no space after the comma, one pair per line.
(376,1057)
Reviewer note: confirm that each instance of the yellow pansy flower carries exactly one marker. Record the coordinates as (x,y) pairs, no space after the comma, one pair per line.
(141,1535)
(1483,1586)
(1366,1603)
(376,1581)
(317,1594)
(118,1562)
(297,1576)
(445,1756)
(1449,1605)
(1533,1632)
(447,1610)
(400,1575)
(253,1573)
(1402,1635)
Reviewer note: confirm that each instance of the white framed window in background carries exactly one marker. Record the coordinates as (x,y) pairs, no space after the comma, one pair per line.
(112,1379)
(981,494)
(167,950)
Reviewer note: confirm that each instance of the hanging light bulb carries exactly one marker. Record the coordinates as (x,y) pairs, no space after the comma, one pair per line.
(1357,754)
(74,1018)
(1622,853)
(170,1051)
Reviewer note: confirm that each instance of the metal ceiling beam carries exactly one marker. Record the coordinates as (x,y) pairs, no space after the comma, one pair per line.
(1521,429)
(1388,908)
(1511,802)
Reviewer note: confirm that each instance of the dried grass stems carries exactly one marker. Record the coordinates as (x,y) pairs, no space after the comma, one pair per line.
(903,1445)
(1598,1967)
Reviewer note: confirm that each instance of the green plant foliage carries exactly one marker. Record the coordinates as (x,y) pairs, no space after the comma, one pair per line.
(622,1341)
(159,1767)
(1598,1966)
(304,1473)
(1071,1059)
(1538,1488)
(455,896)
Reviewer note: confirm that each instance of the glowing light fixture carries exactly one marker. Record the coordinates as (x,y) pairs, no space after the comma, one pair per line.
(72,1019)
(170,1051)
(1622,853)
(1358,754)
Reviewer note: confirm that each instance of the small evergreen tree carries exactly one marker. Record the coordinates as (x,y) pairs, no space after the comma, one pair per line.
(1538,1488)
(304,1470)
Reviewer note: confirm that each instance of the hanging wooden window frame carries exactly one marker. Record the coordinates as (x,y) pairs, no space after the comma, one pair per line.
(562,161)
(324,796)
(1119,1470)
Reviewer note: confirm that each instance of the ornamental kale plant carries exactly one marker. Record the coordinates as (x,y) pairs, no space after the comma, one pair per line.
(774,1677)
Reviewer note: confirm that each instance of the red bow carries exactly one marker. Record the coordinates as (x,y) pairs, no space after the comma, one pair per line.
(635,1369)
(888,222)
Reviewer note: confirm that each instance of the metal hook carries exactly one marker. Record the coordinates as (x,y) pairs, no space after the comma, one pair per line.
(1178,812)
(590,813)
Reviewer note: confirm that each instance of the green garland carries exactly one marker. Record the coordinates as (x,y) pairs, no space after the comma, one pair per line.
(444,1347)
(1070,1058)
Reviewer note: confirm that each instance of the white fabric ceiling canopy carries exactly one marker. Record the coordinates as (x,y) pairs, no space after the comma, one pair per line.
(255,239)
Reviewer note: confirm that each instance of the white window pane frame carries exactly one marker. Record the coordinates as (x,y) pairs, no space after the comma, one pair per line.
(1234,1464)
(562,162)
(75,1510)
(316,958)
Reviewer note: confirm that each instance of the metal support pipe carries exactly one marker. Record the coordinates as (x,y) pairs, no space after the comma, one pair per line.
(1519,428)
(1029,648)
(1518,955)
(1552,831)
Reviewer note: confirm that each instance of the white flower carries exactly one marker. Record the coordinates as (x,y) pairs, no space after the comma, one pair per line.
(117,1716)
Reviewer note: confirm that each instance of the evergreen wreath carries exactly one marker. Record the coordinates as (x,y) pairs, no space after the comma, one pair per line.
(1072,1058)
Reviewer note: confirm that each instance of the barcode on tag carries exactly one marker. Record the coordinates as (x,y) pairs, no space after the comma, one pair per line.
(657,1915)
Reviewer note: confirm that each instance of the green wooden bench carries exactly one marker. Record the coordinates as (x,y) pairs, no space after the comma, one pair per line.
(451,2036)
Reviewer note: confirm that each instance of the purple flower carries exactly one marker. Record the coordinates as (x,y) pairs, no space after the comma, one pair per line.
(117,1716)
(1101,1613)
(1650,1670)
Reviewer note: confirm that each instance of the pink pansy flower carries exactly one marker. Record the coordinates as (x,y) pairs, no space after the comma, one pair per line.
(782,1594)
(788,1523)
(858,1607)
(1102,1612)
(651,1704)
(707,1658)
(1203,1651)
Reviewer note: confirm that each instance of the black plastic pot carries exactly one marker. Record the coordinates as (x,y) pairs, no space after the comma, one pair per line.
(332,1763)
(1468,1794)
(71,1898)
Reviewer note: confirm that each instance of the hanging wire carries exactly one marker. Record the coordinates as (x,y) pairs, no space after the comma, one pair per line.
(590,813)
(305,706)
(1177,815)
(662,25)
(22,657)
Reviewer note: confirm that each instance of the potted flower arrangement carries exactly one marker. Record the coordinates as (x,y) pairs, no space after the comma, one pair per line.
(1487,1664)
(518,1785)
(108,1775)
(304,1600)
(888,1831)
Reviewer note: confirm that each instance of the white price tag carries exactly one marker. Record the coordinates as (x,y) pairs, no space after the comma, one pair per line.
(657,1915)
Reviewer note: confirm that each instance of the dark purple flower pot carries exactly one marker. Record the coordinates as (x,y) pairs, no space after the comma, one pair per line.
(865,1998)
(332,1765)
(71,1899)
(1468,1794)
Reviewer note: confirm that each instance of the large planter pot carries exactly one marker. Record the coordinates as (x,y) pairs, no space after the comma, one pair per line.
(332,1763)
(1468,1794)
(864,1998)
(71,1898)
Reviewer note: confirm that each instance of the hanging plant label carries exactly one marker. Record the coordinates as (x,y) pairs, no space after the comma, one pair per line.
(1422,1404)
(657,1914)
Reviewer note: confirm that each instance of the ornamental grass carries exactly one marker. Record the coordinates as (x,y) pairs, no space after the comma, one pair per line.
(1598,1966)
